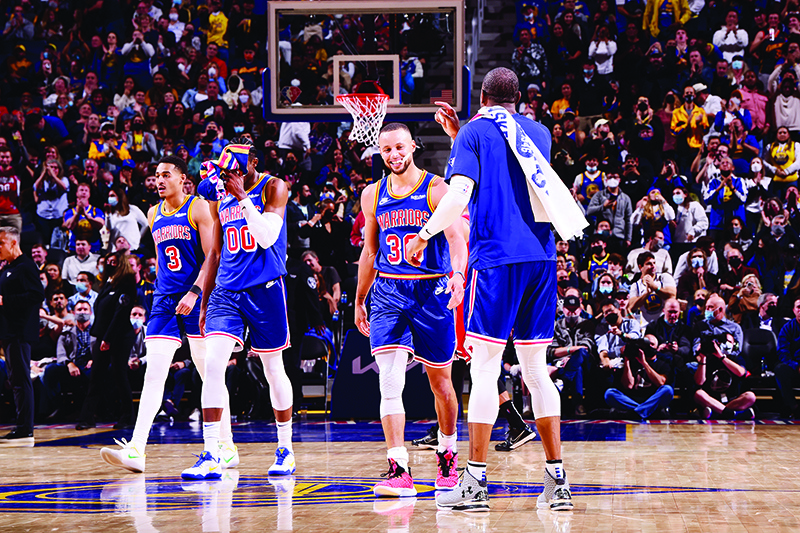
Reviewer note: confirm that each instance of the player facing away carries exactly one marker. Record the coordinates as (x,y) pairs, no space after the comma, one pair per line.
(512,284)
(411,308)
(183,231)
(245,289)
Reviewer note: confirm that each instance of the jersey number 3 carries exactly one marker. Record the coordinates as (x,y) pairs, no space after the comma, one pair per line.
(396,255)
(174,256)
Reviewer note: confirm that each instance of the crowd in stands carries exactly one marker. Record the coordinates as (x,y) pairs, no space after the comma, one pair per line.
(676,124)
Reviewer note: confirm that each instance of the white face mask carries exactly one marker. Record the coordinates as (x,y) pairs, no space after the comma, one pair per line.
(755,166)
(592,168)
(244,98)
(181,67)
(612,182)
(173,17)
(212,73)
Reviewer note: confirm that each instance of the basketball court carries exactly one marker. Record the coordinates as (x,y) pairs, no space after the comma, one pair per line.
(689,476)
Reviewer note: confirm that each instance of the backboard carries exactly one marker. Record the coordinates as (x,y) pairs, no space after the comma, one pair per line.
(414,50)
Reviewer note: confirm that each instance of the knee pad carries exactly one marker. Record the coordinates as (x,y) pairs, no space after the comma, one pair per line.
(392,380)
(280,388)
(545,399)
(485,370)
(215,392)
(197,347)
(159,357)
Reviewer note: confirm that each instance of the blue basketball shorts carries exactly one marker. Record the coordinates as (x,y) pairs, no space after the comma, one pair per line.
(412,314)
(164,324)
(261,308)
(520,296)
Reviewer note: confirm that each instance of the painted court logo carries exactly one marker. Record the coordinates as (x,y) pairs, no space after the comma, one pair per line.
(165,494)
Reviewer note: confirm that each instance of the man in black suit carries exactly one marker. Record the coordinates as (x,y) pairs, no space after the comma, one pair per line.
(766,316)
(21,295)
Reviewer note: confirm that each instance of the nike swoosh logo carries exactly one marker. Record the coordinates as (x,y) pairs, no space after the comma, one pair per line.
(133,456)
(211,469)
(228,460)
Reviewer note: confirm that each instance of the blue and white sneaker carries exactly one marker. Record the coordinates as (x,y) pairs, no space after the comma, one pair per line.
(284,464)
(206,467)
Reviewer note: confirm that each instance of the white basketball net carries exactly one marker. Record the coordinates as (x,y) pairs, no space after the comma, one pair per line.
(368,111)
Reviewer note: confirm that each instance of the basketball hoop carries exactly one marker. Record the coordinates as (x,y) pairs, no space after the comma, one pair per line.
(368,111)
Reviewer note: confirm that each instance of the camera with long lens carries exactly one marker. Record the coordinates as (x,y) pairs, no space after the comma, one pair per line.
(707,339)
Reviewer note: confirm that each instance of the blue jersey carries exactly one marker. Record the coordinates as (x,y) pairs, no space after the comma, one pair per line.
(502,228)
(244,263)
(180,253)
(400,218)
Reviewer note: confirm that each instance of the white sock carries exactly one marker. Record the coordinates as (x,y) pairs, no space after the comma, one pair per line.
(159,358)
(477,470)
(285,435)
(400,456)
(555,468)
(211,438)
(448,442)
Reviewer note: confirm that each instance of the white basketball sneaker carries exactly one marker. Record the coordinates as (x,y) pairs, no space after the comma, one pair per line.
(129,457)
(284,464)
(228,455)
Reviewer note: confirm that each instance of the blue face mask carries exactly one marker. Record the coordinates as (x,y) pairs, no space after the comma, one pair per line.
(152,269)
(678,199)
(113,201)
(136,323)
(238,129)
(100,268)
(708,315)
(81,287)
(588,72)
(737,65)
(697,262)
(605,289)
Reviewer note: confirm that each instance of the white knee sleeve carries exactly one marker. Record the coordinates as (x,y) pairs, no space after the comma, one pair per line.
(484,369)
(197,347)
(392,380)
(280,388)
(159,358)
(544,394)
(215,393)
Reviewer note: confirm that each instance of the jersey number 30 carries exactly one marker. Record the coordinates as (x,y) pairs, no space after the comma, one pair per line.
(396,255)
(239,238)
(174,256)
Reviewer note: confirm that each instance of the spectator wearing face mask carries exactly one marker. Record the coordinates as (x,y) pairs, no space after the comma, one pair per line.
(648,294)
(696,277)
(733,271)
(614,206)
(654,244)
(596,258)
(571,352)
(588,182)
(604,287)
(83,290)
(674,336)
(691,221)
(141,144)
(73,363)
(720,368)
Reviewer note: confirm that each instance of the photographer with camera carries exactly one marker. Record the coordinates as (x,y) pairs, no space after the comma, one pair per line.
(571,352)
(611,334)
(648,294)
(720,367)
(642,386)
(673,335)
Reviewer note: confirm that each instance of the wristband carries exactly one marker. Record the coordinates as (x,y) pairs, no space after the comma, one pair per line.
(195,290)
(460,274)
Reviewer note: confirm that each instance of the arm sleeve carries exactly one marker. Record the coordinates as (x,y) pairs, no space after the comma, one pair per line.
(450,207)
(264,227)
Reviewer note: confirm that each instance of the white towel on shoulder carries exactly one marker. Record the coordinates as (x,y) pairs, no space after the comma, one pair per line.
(551,201)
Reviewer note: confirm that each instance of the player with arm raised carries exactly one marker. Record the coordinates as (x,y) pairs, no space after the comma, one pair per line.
(183,232)
(411,308)
(245,289)
(512,283)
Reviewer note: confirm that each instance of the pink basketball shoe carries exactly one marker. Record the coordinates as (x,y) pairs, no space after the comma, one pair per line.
(398,482)
(446,475)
